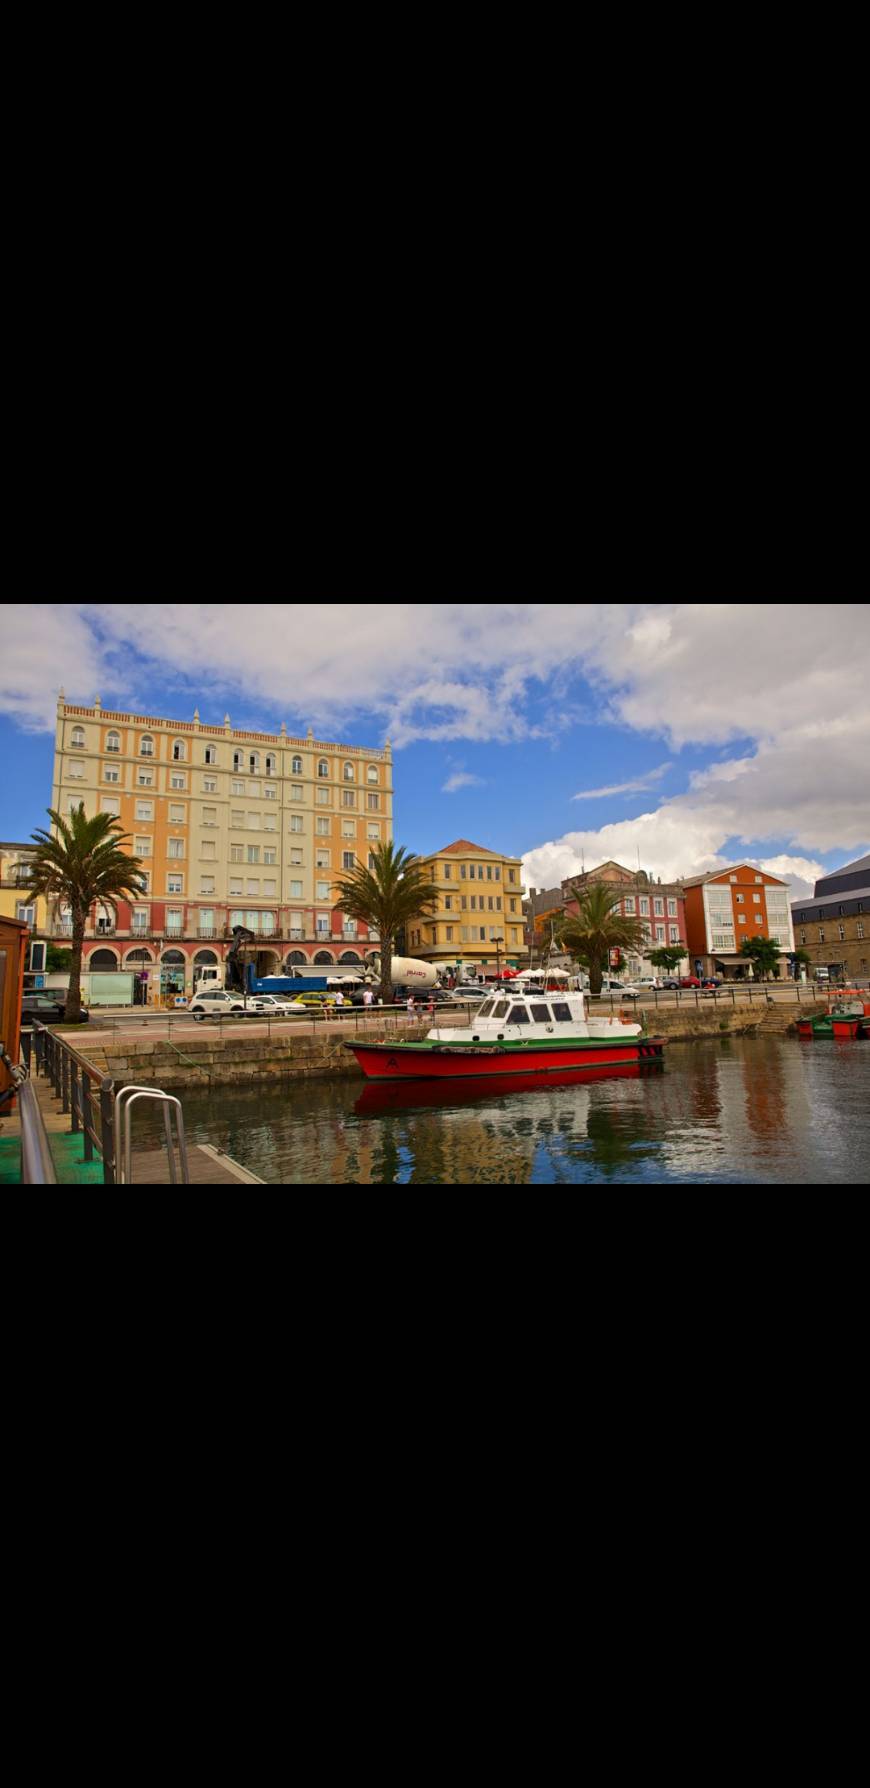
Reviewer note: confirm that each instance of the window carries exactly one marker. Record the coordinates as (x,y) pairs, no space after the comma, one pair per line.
(141,847)
(208,849)
(732,878)
(758,878)
(474,903)
(660,934)
(110,804)
(25,914)
(658,907)
(759,918)
(270,822)
(374,831)
(211,754)
(296,791)
(821,936)
(238,760)
(518,1015)
(271,763)
(296,822)
(146,747)
(177,814)
(348,773)
(235,888)
(209,815)
(448,903)
(209,785)
(372,773)
(629,904)
(237,853)
(672,909)
(254,763)
(296,857)
(321,796)
(462,872)
(348,797)
(270,855)
(449,933)
(323,923)
(253,788)
(140,918)
(295,890)
(841,932)
(174,884)
(489,872)
(741,918)
(512,875)
(269,886)
(237,818)
(322,828)
(739,899)
(78,738)
(253,822)
(374,802)
(145,810)
(322,859)
(179,751)
(253,853)
(236,787)
(371,861)
(540,1014)
(270,792)
(513,905)
(859,929)
(803,937)
(323,767)
(175,847)
(178,779)
(113,742)
(644,906)
(296,767)
(675,934)
(348,829)
(110,774)
(347,859)
(252,886)
(472,872)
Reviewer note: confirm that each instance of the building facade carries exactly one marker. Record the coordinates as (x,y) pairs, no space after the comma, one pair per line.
(15,901)
(478,924)
(728,905)
(834,926)
(233,828)
(660,908)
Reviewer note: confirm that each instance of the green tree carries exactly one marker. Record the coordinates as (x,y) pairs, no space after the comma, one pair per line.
(802,959)
(57,960)
(666,956)
(78,864)
(763,953)
(386,898)
(597,929)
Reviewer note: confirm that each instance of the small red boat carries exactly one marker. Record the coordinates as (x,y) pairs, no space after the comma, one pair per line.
(513,1034)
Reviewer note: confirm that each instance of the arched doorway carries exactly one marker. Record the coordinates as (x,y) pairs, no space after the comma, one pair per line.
(324,957)
(268,963)
(102,960)
(172,966)
(294,959)
(350,956)
(136,960)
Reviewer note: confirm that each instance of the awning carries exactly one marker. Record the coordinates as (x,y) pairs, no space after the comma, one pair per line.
(729,956)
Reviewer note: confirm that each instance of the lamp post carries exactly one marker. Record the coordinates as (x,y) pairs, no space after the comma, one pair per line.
(497,941)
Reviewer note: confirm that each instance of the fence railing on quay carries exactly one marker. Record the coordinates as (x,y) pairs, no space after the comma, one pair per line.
(87,1095)
(179,1019)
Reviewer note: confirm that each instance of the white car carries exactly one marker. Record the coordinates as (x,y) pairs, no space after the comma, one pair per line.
(276,1003)
(628,990)
(216,1003)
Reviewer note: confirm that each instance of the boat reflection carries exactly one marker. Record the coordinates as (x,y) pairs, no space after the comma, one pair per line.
(412,1095)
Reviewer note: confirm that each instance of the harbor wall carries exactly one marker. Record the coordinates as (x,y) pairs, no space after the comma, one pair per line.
(217,1061)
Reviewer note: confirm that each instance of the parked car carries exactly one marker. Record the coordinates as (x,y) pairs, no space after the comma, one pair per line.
(628,990)
(689,981)
(216,1003)
(464,993)
(671,981)
(46,1008)
(273,1002)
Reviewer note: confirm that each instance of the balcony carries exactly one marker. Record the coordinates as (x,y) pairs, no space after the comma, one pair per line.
(207,931)
(61,928)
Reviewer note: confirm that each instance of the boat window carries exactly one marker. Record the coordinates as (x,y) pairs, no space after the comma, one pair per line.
(500,1011)
(561,1010)
(541,1014)
(519,1015)
(486,1011)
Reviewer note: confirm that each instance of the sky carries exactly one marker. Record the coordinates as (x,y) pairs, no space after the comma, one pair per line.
(688,735)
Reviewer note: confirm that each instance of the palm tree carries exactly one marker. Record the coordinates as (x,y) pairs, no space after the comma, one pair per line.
(596,930)
(386,897)
(83,863)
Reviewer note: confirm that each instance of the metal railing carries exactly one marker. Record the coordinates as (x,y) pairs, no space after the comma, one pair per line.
(37,1163)
(86,1094)
(733,993)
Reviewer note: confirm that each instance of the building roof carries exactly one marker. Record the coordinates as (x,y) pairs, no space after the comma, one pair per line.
(715,875)
(850,868)
(464,844)
(844,897)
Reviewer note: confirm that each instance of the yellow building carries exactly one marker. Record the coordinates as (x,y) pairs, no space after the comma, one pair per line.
(15,901)
(478,923)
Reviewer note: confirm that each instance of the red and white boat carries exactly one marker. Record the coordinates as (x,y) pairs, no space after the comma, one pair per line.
(513,1033)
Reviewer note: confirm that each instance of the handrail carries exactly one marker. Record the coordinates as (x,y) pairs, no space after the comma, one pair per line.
(37,1162)
(124,1103)
(82,1089)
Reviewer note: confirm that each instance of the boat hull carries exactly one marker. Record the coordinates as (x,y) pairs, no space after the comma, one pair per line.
(407,1061)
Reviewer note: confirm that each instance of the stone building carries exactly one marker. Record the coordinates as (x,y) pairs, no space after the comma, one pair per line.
(833,926)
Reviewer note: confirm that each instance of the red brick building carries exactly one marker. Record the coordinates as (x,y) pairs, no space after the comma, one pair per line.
(660,907)
(728,905)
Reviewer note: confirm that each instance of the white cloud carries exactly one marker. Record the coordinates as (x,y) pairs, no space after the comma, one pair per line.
(623,788)
(461,779)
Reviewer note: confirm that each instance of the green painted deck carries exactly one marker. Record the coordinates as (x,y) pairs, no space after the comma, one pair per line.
(67,1154)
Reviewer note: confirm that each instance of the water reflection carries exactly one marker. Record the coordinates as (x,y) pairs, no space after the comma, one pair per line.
(731,1110)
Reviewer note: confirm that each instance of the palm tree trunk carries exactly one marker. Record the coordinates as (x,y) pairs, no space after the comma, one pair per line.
(386,970)
(74,994)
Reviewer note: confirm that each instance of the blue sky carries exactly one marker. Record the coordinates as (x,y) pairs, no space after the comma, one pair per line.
(552,732)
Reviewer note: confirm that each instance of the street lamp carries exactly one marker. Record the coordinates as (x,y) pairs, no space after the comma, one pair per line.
(497,941)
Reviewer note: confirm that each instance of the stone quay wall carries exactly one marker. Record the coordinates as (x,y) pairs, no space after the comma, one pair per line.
(216,1061)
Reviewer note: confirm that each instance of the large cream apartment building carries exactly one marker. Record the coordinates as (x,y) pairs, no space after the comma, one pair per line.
(233,828)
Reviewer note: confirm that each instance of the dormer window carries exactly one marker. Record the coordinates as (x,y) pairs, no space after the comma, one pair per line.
(146,747)
(297,766)
(323,767)
(78,738)
(113,742)
(179,751)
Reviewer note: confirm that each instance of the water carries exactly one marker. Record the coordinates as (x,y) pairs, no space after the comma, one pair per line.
(725,1110)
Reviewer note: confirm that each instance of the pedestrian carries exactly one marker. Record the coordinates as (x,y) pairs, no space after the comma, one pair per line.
(431,1006)
(367,997)
(339,998)
(410,1005)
